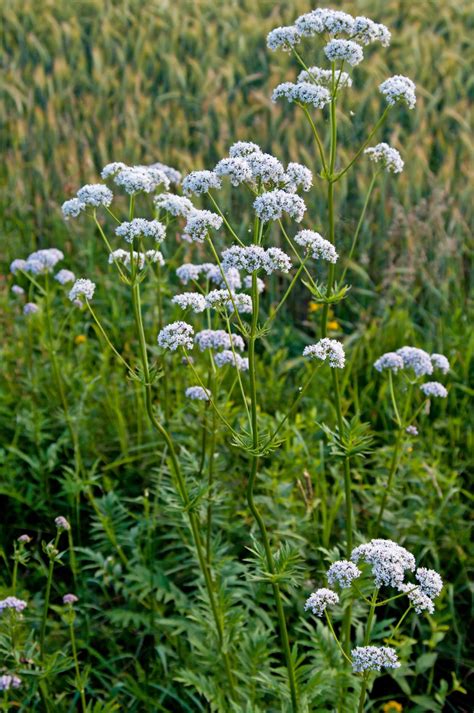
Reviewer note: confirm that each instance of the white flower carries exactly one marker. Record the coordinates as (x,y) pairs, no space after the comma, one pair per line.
(17,290)
(30,308)
(319,600)
(430,581)
(112,168)
(343,573)
(325,77)
(297,176)
(61,523)
(411,430)
(17,264)
(373,658)
(41,262)
(176,205)
(389,561)
(265,168)
(171,173)
(141,228)
(276,259)
(154,256)
(399,89)
(82,289)
(137,179)
(199,223)
(243,149)
(304,93)
(240,302)
(434,389)
(439,361)
(420,601)
(72,208)
(193,300)
(229,357)
(416,359)
(320,248)
(218,339)
(176,334)
(237,169)
(345,50)
(367,31)
(197,393)
(387,156)
(248,284)
(95,194)
(321,20)
(188,272)
(389,360)
(64,276)
(253,257)
(8,681)
(199,182)
(329,349)
(272,205)
(12,603)
(283,38)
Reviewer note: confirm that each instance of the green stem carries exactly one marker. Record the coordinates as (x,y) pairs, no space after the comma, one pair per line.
(363,690)
(330,199)
(106,338)
(210,484)
(359,226)
(76,664)
(364,145)
(226,222)
(391,474)
(47,597)
(328,619)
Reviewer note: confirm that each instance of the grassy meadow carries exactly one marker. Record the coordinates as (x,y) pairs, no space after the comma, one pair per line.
(86,83)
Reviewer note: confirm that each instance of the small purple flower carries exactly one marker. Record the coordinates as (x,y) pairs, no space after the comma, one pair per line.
(61,523)
(13,603)
(70,599)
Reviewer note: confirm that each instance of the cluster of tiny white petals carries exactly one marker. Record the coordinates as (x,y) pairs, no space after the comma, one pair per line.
(320,248)
(17,290)
(434,389)
(399,89)
(70,599)
(221,299)
(272,205)
(388,559)
(140,227)
(137,179)
(430,581)
(95,195)
(12,603)
(197,393)
(243,149)
(334,22)
(199,223)
(439,361)
(265,168)
(343,572)
(240,302)
(303,92)
(72,208)
(283,38)
(199,182)
(297,176)
(62,523)
(329,349)
(17,264)
(389,360)
(248,284)
(228,357)
(173,175)
(43,261)
(64,276)
(416,359)
(190,300)
(373,658)
(8,681)
(188,272)
(411,430)
(420,601)
(232,278)
(237,169)
(175,205)
(112,168)
(154,256)
(30,308)
(254,257)
(176,334)
(218,339)
(319,600)
(318,75)
(344,50)
(276,259)
(366,31)
(387,156)
(82,289)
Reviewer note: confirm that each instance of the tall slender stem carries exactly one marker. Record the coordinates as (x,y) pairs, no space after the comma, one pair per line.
(359,226)
(48,594)
(368,629)
(76,662)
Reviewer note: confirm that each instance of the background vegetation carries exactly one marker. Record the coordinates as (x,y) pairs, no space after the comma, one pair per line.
(88,82)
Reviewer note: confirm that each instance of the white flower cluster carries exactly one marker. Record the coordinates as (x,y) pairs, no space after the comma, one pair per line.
(248,284)
(327,349)
(420,601)
(30,308)
(272,205)
(8,681)
(236,301)
(72,208)
(389,360)
(141,228)
(138,179)
(320,248)
(91,195)
(82,289)
(284,38)
(253,257)
(237,169)
(297,176)
(64,276)
(39,262)
(17,290)
(387,156)
(303,93)
(198,224)
(175,205)
(190,300)
(242,149)
(440,362)
(171,173)
(12,603)
(399,89)
(265,168)
(197,393)
(434,389)
(218,339)
(345,51)
(430,581)
(366,31)
(416,359)
(318,75)
(319,600)
(343,573)
(373,658)
(199,182)
(411,430)
(228,357)
(175,335)
(389,561)
(140,259)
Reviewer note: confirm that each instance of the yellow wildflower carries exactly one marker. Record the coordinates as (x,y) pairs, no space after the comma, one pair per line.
(334,325)
(80,339)
(314,306)
(392,707)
